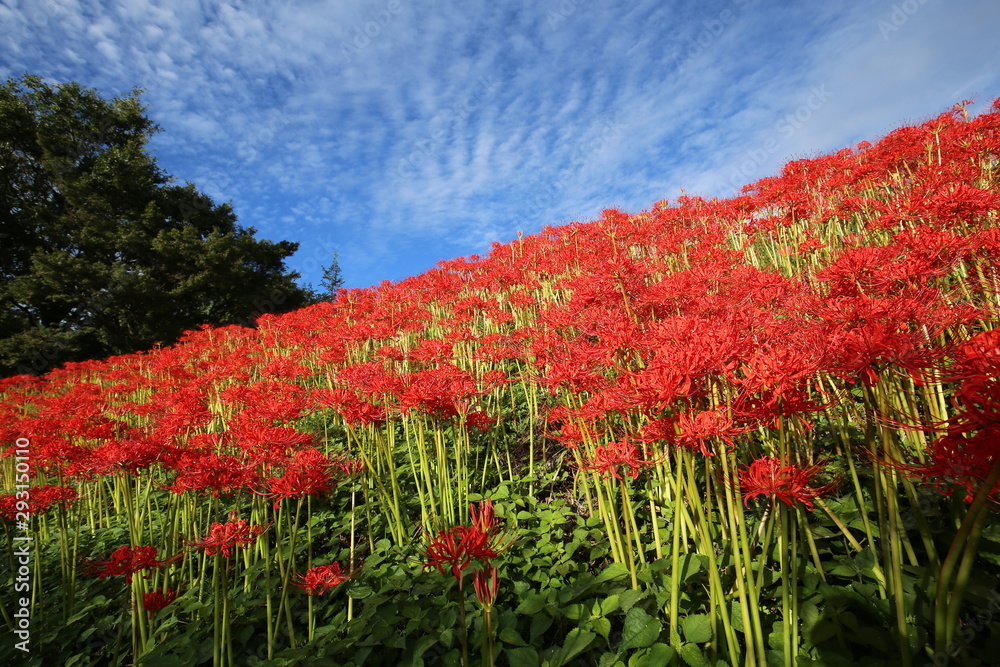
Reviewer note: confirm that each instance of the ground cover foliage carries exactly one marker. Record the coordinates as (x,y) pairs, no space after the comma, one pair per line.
(753,431)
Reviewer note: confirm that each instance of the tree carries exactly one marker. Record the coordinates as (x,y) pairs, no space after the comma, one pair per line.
(101,252)
(332,279)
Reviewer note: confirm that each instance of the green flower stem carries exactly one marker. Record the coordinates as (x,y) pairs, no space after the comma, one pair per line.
(628,532)
(803,519)
(789,621)
(717,592)
(743,561)
(396,521)
(463,629)
(217,636)
(350,600)
(675,553)
(265,552)
(610,525)
(947,602)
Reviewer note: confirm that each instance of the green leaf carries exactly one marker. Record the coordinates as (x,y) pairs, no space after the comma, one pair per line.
(510,636)
(629,598)
(657,655)
(690,565)
(609,604)
(736,616)
(539,624)
(692,655)
(531,604)
(613,571)
(576,641)
(359,591)
(640,630)
(697,628)
(601,626)
(843,570)
(821,632)
(522,657)
(420,647)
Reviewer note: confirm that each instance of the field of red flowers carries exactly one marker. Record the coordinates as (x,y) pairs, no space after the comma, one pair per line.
(762,430)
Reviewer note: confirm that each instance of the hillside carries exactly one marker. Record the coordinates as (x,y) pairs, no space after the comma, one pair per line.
(754,430)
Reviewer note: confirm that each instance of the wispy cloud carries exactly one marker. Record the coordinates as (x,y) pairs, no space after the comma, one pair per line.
(404,133)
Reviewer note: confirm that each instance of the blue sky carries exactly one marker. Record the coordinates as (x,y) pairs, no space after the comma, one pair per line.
(398,133)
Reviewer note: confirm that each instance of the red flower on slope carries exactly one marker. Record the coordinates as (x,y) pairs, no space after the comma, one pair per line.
(125,561)
(957,461)
(486,583)
(322,578)
(310,473)
(697,431)
(224,537)
(616,458)
(767,477)
(40,500)
(457,547)
(154,601)
(201,470)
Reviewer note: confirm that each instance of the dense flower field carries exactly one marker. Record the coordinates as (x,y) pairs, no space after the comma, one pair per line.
(750,431)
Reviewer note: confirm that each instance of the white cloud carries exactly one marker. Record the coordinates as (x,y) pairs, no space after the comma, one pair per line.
(373,126)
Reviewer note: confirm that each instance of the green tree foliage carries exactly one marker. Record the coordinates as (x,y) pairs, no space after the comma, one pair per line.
(100,251)
(332,279)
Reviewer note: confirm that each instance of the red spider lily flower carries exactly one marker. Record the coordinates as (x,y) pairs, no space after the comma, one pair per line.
(309,474)
(129,455)
(481,516)
(958,461)
(456,548)
(126,561)
(40,500)
(697,431)
(616,458)
(224,537)
(767,477)
(486,583)
(222,475)
(154,601)
(350,467)
(322,578)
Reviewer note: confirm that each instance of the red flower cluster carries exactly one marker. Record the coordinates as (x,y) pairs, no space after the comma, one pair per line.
(675,329)
(40,500)
(154,601)
(457,547)
(224,537)
(126,561)
(617,458)
(322,578)
(788,483)
(485,580)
